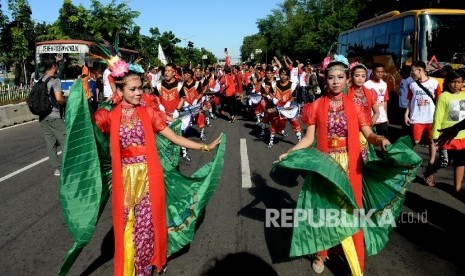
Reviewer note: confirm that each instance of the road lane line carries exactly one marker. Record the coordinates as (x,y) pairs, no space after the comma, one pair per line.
(245,168)
(24,168)
(17,125)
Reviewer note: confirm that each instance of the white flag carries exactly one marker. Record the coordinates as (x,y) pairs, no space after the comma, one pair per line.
(161,55)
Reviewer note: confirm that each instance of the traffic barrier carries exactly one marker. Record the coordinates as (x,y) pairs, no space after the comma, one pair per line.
(13,114)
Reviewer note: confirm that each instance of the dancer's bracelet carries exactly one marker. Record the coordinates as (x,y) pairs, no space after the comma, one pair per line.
(204,148)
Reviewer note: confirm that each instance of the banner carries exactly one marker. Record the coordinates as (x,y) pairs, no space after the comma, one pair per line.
(161,55)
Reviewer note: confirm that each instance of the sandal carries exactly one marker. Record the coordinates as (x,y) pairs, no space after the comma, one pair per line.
(318,264)
(430,182)
(428,178)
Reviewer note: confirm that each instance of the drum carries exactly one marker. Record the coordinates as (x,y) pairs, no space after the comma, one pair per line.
(290,112)
(187,114)
(186,121)
(255,98)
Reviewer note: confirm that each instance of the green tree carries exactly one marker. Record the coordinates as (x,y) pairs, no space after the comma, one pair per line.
(22,33)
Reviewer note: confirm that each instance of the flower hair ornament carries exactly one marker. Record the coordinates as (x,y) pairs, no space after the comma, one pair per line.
(331,58)
(357,64)
(110,54)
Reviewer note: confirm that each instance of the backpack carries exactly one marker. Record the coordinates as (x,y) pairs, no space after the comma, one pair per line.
(39,101)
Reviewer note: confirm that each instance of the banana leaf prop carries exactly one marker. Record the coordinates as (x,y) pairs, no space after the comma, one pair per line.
(85,183)
(385,183)
(326,187)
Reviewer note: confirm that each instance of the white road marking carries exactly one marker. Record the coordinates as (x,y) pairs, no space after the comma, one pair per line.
(245,168)
(24,168)
(17,125)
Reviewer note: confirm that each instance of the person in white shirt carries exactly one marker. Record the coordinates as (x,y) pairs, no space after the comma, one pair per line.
(422,95)
(403,92)
(376,83)
(108,84)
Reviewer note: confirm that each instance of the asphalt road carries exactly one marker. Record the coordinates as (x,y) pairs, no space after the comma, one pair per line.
(34,239)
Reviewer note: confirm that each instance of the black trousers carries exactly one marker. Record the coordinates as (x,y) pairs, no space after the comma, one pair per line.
(233,105)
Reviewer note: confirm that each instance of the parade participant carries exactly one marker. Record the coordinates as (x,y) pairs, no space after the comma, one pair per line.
(239,84)
(192,91)
(365,100)
(211,87)
(422,96)
(405,73)
(141,202)
(335,122)
(380,87)
(282,97)
(230,93)
(268,84)
(447,114)
(171,96)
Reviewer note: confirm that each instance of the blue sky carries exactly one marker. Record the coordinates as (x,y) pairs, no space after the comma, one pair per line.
(210,24)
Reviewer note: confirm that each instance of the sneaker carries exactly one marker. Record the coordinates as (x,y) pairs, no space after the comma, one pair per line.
(202,137)
(187,158)
(444,158)
(283,133)
(57,172)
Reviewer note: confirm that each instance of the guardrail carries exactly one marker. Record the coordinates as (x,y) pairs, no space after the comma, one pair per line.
(11,94)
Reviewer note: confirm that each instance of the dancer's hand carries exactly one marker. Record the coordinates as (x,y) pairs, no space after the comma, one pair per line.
(384,144)
(282,156)
(215,143)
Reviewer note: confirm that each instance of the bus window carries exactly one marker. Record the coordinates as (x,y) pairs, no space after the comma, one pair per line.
(440,37)
(366,38)
(409,24)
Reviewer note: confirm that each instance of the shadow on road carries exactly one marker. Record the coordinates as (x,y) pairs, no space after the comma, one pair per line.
(278,240)
(107,250)
(436,229)
(241,263)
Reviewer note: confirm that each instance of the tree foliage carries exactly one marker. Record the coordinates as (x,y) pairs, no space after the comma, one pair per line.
(306,29)
(19,35)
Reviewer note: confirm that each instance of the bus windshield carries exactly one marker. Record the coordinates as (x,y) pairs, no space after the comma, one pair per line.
(440,37)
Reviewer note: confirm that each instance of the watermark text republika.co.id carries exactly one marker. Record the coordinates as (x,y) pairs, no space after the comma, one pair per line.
(340,218)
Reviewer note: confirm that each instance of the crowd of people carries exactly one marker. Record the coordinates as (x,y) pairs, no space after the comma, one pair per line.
(344,108)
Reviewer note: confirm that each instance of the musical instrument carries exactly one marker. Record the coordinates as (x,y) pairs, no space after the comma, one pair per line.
(290,112)
(187,114)
(254,98)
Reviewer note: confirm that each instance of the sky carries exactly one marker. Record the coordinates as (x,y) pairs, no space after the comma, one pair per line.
(209,24)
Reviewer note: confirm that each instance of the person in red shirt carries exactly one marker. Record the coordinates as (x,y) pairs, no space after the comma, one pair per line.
(230,93)
(282,97)
(192,91)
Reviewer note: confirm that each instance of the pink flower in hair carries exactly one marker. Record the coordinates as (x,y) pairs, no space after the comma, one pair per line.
(119,68)
(353,64)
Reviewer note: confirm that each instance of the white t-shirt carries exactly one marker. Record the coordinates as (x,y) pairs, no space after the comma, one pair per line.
(107,92)
(381,95)
(294,75)
(303,78)
(421,105)
(403,92)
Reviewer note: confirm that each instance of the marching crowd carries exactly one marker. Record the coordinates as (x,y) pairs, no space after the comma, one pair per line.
(273,94)
(344,108)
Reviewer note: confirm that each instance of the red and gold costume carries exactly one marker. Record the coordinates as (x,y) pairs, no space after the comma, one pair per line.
(138,200)
(338,122)
(169,95)
(283,93)
(192,92)
(364,102)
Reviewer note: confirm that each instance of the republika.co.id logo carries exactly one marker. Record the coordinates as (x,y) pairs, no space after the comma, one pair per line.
(338,218)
